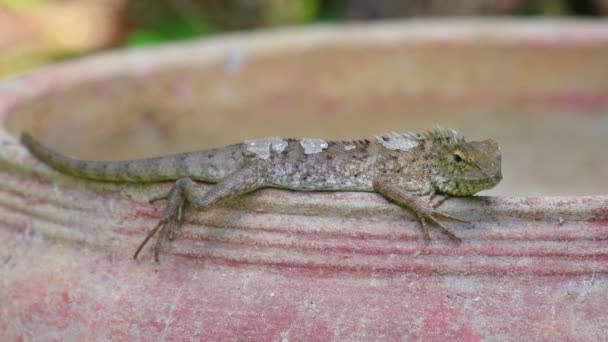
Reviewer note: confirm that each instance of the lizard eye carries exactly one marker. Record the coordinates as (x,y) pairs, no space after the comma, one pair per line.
(457,158)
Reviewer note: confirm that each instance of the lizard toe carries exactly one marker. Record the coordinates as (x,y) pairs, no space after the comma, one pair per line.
(448,217)
(156,228)
(158,198)
(445,229)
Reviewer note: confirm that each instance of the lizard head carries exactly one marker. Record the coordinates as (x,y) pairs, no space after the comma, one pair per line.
(461,168)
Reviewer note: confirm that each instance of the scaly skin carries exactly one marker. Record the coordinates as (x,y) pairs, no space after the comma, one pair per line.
(408,169)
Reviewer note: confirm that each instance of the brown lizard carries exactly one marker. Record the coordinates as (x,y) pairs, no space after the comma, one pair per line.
(417,171)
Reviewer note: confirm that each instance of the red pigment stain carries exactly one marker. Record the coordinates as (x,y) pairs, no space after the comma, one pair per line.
(8,103)
(588,200)
(437,325)
(104,88)
(566,203)
(531,201)
(138,209)
(65,297)
(329,104)
(599,213)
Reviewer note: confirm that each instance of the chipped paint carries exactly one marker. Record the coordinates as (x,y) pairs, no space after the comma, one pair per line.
(263,147)
(399,141)
(313,145)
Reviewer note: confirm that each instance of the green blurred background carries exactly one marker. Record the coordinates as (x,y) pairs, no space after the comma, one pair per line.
(36,32)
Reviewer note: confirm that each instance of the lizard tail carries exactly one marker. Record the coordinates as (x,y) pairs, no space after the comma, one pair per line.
(143,170)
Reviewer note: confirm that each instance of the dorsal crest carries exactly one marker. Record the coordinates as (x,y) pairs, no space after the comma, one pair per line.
(444,135)
(399,141)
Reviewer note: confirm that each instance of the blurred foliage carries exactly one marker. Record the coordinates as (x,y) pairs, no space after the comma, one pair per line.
(158,21)
(19,3)
(34,32)
(164,20)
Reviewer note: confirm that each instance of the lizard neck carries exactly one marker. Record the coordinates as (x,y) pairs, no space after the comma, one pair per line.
(441,184)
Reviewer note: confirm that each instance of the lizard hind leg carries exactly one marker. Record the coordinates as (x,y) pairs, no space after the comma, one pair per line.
(170,220)
(186,192)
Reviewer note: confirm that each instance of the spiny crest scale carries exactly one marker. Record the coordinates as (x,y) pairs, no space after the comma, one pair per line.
(399,141)
(395,135)
(444,135)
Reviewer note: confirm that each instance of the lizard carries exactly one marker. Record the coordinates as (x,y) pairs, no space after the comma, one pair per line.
(414,170)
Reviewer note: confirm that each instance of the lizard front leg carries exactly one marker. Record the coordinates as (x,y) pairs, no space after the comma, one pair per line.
(416,201)
(185,191)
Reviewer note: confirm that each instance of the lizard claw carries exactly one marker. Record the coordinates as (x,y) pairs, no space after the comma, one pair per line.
(448,231)
(166,232)
(158,198)
(449,217)
(432,215)
(165,229)
(169,222)
(427,214)
(158,226)
(424,208)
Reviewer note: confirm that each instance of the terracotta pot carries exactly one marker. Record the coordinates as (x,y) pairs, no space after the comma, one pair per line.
(279,265)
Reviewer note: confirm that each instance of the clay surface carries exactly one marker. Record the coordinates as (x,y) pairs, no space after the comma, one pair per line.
(281,265)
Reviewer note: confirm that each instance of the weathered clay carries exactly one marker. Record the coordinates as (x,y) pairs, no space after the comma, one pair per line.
(280,265)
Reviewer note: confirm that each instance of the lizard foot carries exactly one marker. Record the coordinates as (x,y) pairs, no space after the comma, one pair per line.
(433,217)
(430,214)
(158,198)
(418,202)
(169,222)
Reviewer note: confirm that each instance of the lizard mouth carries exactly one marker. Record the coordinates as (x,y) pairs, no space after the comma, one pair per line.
(485,178)
(473,180)
(476,184)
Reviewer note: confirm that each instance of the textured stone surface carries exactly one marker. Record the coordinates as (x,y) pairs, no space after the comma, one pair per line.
(281,265)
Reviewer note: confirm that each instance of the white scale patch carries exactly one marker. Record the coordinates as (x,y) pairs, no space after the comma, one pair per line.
(349,147)
(313,145)
(399,142)
(263,147)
